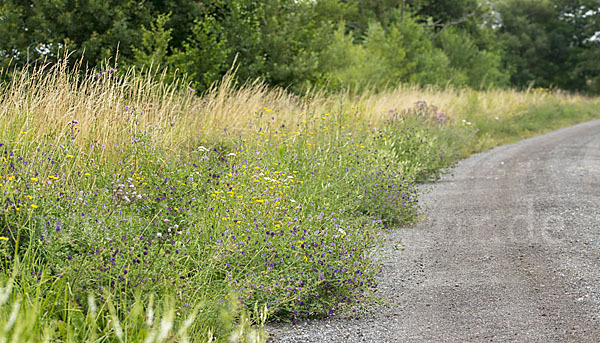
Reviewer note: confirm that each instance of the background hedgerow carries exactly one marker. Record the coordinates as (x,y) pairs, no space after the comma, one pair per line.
(134,209)
(330,44)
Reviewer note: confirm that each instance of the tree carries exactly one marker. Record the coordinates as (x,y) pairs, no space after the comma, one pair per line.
(91,29)
(155,44)
(205,55)
(474,67)
(536,47)
(549,42)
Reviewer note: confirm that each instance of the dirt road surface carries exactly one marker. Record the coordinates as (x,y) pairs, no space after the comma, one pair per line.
(509,252)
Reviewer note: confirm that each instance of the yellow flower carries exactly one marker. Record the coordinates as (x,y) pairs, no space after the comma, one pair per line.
(87,174)
(3,238)
(69,156)
(34,206)
(34,179)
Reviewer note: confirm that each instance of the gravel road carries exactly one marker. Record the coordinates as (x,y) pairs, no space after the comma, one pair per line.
(509,251)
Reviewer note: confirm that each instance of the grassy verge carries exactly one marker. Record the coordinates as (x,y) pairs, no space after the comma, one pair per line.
(531,121)
(134,210)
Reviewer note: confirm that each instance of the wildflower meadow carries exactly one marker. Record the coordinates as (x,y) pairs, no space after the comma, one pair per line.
(135,209)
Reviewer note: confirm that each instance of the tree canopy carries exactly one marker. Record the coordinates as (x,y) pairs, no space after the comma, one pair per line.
(332,44)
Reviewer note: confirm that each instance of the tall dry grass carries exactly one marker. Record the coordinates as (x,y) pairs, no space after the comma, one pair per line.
(52,103)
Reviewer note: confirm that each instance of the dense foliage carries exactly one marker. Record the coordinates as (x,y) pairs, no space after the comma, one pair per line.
(326,43)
